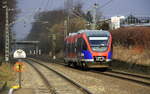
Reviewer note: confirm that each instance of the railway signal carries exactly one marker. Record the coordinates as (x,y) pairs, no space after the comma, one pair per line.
(19,67)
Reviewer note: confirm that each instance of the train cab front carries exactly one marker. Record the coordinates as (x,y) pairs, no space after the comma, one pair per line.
(100,52)
(103,59)
(97,59)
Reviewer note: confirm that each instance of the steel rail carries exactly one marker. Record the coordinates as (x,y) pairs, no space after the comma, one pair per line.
(82,89)
(130,74)
(123,78)
(49,86)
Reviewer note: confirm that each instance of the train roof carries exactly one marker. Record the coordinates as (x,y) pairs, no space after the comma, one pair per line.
(95,32)
(92,33)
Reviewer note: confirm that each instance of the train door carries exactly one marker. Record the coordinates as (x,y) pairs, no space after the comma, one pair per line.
(79,49)
(84,45)
(81,46)
(65,49)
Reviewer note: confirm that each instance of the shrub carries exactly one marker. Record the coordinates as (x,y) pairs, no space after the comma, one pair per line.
(132,36)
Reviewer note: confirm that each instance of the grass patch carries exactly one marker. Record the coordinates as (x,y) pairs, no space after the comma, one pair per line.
(6,72)
(133,55)
(1,60)
(135,58)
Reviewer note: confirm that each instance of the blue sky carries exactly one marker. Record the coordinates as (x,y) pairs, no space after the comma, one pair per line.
(115,8)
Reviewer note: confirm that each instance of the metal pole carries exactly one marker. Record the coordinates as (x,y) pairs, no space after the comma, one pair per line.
(14,40)
(69,5)
(68,24)
(54,46)
(20,74)
(6,32)
(65,29)
(94,17)
(36,48)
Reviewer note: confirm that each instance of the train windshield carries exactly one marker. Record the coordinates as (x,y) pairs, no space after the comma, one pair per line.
(98,43)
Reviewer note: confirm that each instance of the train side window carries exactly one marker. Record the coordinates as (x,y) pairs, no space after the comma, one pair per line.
(74,48)
(67,48)
(71,47)
(79,44)
(84,45)
(76,45)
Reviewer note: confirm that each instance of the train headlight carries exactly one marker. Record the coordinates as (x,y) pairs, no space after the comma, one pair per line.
(108,60)
(82,54)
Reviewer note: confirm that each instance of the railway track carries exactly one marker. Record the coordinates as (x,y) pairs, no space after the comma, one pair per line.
(136,78)
(46,82)
(139,79)
(52,80)
(130,74)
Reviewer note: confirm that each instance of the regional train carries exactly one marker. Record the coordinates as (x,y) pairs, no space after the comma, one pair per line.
(88,49)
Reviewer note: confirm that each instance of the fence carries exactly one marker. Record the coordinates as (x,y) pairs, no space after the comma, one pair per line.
(135,21)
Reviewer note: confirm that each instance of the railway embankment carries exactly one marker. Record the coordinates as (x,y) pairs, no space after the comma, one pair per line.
(131,67)
(131,59)
(131,49)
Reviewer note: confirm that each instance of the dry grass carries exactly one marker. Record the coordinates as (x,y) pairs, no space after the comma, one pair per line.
(132,44)
(6,72)
(131,36)
(134,54)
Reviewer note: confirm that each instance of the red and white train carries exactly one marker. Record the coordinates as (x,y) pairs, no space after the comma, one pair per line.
(88,48)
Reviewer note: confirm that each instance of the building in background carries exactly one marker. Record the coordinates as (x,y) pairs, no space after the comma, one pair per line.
(132,20)
(116,22)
